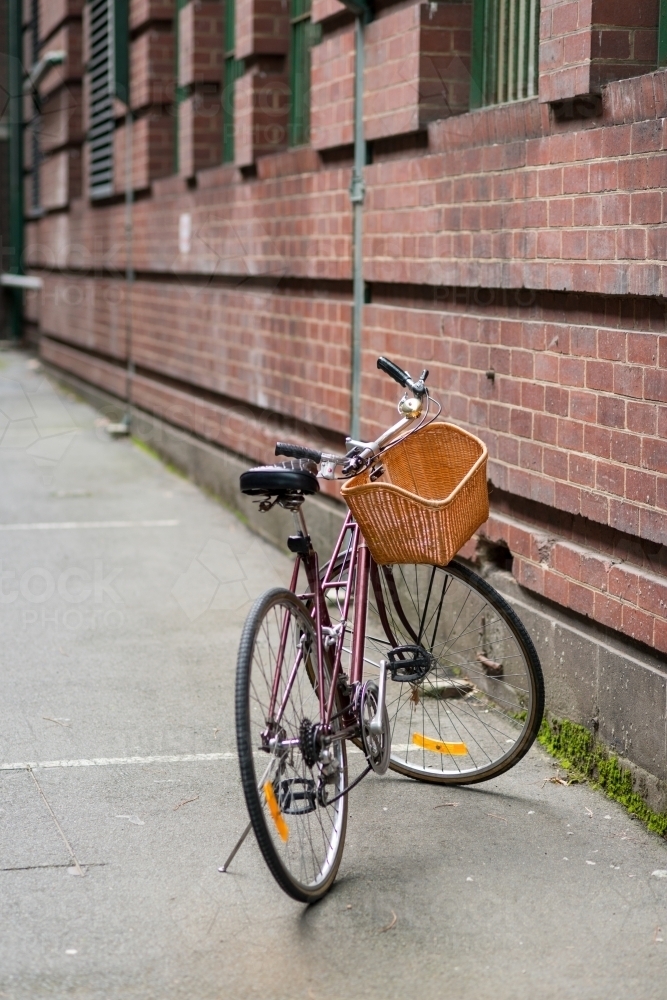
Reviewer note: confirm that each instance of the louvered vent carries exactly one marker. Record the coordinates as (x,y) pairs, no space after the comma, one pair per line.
(100,70)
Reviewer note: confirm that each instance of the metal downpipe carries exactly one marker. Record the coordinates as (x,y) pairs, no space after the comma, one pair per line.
(357,191)
(15,263)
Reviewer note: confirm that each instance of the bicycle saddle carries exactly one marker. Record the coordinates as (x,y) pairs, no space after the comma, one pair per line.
(298,475)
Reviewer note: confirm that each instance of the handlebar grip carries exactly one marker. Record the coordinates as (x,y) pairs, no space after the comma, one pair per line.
(393,371)
(298,451)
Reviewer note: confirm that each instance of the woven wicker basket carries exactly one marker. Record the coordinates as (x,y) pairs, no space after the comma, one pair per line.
(429,501)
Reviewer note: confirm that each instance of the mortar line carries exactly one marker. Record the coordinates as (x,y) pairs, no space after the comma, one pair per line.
(59,828)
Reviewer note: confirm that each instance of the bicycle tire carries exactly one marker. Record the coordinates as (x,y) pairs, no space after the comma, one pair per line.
(516,709)
(305,861)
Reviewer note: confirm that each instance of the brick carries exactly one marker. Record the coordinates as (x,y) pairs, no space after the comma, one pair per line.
(610,478)
(529,575)
(262,28)
(608,611)
(638,624)
(581,599)
(640,487)
(332,91)
(556,588)
(655,385)
(653,455)
(260,115)
(641,417)
(152,69)
(624,447)
(582,470)
(611,411)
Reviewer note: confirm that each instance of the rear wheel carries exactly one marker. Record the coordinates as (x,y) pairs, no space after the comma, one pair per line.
(478,706)
(277,707)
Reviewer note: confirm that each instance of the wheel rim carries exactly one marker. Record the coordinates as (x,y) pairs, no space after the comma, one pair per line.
(474,708)
(304,836)
(494,721)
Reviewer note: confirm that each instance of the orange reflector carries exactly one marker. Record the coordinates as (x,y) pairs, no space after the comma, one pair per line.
(274,809)
(438,746)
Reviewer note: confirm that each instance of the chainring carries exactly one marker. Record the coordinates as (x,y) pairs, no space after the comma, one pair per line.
(377,746)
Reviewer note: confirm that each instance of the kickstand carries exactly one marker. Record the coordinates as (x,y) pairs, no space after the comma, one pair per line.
(225,867)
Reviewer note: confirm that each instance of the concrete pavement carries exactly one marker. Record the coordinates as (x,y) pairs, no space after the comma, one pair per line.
(118,642)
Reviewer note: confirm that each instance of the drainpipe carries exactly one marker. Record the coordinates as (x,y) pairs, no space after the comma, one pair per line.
(15,263)
(363,15)
(129,267)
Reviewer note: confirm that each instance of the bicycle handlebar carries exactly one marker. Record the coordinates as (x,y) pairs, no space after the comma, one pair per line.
(393,371)
(402,377)
(298,451)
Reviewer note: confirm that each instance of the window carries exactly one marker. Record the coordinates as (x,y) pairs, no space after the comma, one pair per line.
(504,51)
(108,74)
(304,34)
(233,69)
(100,135)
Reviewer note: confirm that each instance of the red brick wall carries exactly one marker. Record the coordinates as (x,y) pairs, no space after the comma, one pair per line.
(574,417)
(321,10)
(262,28)
(143,12)
(60,176)
(583,46)
(199,133)
(61,118)
(152,151)
(507,241)
(332,91)
(152,75)
(416,67)
(200,42)
(51,14)
(261,106)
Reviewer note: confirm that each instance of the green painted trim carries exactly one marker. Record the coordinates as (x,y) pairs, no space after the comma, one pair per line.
(477,55)
(15,262)
(662,34)
(489,48)
(304,35)
(587,759)
(121,50)
(233,68)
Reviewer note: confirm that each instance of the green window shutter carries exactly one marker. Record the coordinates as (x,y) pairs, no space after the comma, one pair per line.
(121,50)
(304,34)
(662,34)
(504,51)
(100,72)
(233,69)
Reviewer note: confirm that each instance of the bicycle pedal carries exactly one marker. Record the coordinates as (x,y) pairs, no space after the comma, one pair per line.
(409,664)
(297,796)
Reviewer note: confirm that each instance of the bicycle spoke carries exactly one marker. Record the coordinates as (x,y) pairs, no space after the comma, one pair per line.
(480,719)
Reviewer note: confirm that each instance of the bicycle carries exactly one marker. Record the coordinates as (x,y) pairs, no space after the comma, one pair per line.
(425,668)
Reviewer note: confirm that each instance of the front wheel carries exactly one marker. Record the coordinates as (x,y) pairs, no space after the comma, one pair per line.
(300,835)
(478,706)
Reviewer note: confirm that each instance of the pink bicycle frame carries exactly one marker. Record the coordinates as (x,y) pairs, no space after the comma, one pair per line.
(351,576)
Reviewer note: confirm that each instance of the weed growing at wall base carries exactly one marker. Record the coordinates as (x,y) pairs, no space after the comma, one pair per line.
(586,759)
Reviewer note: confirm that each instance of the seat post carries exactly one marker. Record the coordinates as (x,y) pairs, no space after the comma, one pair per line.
(300,521)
